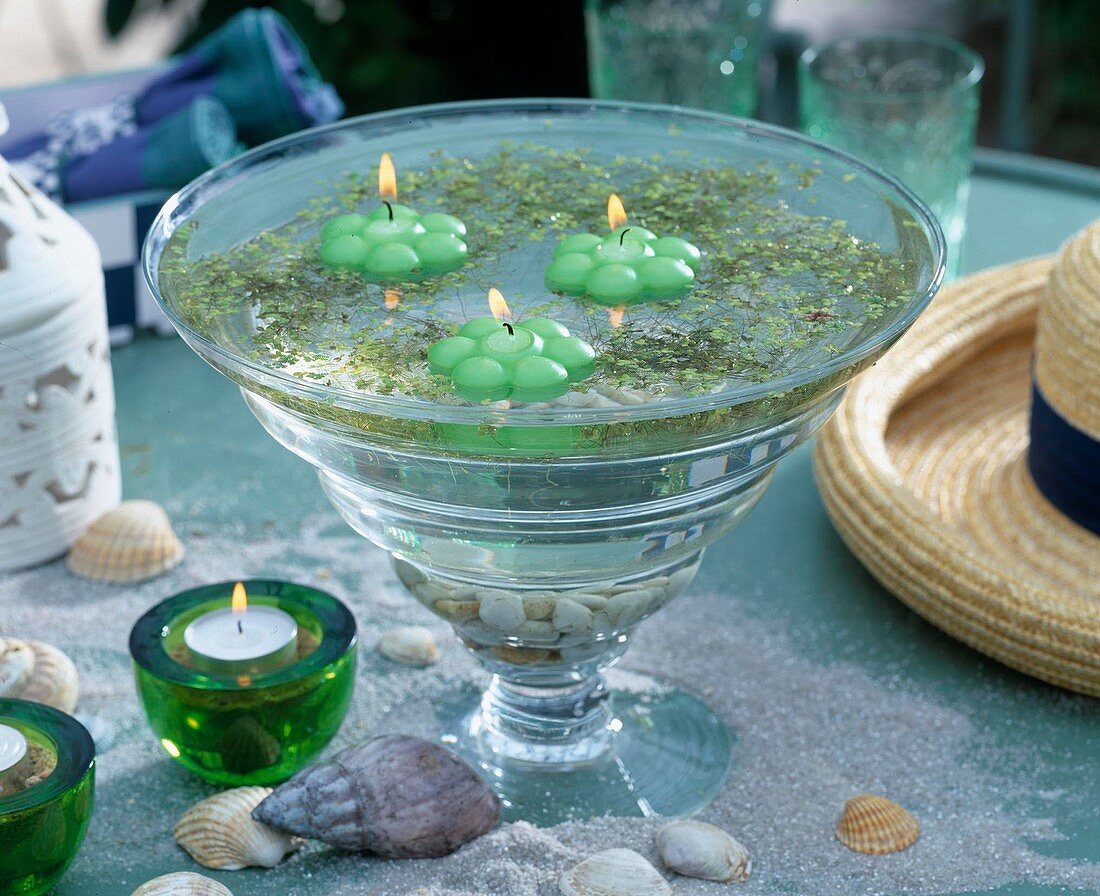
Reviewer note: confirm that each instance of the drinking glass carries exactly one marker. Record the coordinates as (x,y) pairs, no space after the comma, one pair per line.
(906,102)
(699,53)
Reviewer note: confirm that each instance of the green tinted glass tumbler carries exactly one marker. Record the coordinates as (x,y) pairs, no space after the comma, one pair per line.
(697,53)
(906,102)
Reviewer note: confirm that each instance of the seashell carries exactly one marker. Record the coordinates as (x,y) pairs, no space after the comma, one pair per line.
(182,883)
(397,796)
(49,677)
(614,872)
(16,665)
(412,645)
(131,543)
(698,849)
(876,826)
(220,832)
(247,746)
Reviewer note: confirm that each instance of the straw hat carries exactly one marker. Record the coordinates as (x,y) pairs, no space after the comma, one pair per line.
(964,469)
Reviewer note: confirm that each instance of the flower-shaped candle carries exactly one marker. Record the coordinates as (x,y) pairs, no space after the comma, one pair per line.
(629,265)
(394,242)
(490,358)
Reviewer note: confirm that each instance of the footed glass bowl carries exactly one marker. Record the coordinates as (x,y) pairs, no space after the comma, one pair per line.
(547,531)
(42,824)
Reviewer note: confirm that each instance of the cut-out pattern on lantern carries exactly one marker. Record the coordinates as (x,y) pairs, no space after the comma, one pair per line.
(59,466)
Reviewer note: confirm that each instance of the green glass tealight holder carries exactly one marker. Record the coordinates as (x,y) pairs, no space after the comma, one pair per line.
(45,801)
(240,728)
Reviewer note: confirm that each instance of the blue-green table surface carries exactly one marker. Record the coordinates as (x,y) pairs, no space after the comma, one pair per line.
(188,442)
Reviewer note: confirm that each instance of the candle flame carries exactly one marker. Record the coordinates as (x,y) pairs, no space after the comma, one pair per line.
(615,316)
(393,299)
(497,304)
(240,599)
(616,214)
(387,177)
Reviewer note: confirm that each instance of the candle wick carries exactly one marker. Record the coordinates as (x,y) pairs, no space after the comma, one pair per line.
(389,207)
(240,627)
(508,327)
(622,235)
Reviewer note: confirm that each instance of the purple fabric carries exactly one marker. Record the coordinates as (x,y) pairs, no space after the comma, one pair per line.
(111,172)
(191,77)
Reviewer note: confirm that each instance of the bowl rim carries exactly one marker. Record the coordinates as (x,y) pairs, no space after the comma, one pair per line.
(75,748)
(255,374)
(336,619)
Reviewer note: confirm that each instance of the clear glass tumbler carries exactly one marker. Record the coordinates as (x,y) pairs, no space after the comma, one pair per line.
(906,102)
(698,53)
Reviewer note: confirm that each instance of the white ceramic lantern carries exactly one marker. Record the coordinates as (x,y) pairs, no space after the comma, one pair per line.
(59,467)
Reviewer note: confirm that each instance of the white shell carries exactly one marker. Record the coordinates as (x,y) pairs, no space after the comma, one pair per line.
(219,832)
(16,665)
(412,645)
(38,672)
(131,543)
(614,872)
(182,883)
(698,849)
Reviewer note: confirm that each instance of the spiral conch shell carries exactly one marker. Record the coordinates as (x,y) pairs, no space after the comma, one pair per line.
(220,833)
(876,826)
(39,672)
(131,543)
(698,849)
(397,796)
(614,872)
(182,883)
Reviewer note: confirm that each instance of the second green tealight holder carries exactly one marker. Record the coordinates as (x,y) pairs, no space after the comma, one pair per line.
(241,728)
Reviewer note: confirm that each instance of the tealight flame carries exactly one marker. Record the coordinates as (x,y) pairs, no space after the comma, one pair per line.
(616,214)
(387,177)
(393,299)
(497,304)
(239,603)
(615,316)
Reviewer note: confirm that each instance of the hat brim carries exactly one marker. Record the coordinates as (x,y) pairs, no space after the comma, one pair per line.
(923,472)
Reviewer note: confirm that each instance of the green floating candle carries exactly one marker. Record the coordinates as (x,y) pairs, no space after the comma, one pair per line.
(628,266)
(394,242)
(536,360)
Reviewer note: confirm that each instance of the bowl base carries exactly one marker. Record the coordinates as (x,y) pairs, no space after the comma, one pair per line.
(668,755)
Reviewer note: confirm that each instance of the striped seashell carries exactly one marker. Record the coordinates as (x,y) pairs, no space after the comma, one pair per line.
(182,883)
(39,672)
(131,543)
(614,872)
(220,833)
(876,826)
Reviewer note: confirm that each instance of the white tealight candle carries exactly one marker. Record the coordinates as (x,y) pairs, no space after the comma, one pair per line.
(13,747)
(241,638)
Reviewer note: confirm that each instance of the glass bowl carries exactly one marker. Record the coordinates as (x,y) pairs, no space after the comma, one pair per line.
(252,728)
(546,532)
(42,826)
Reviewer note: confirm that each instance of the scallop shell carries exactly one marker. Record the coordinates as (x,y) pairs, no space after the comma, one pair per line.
(131,543)
(182,883)
(698,849)
(876,826)
(16,665)
(400,797)
(220,833)
(39,672)
(614,872)
(412,645)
